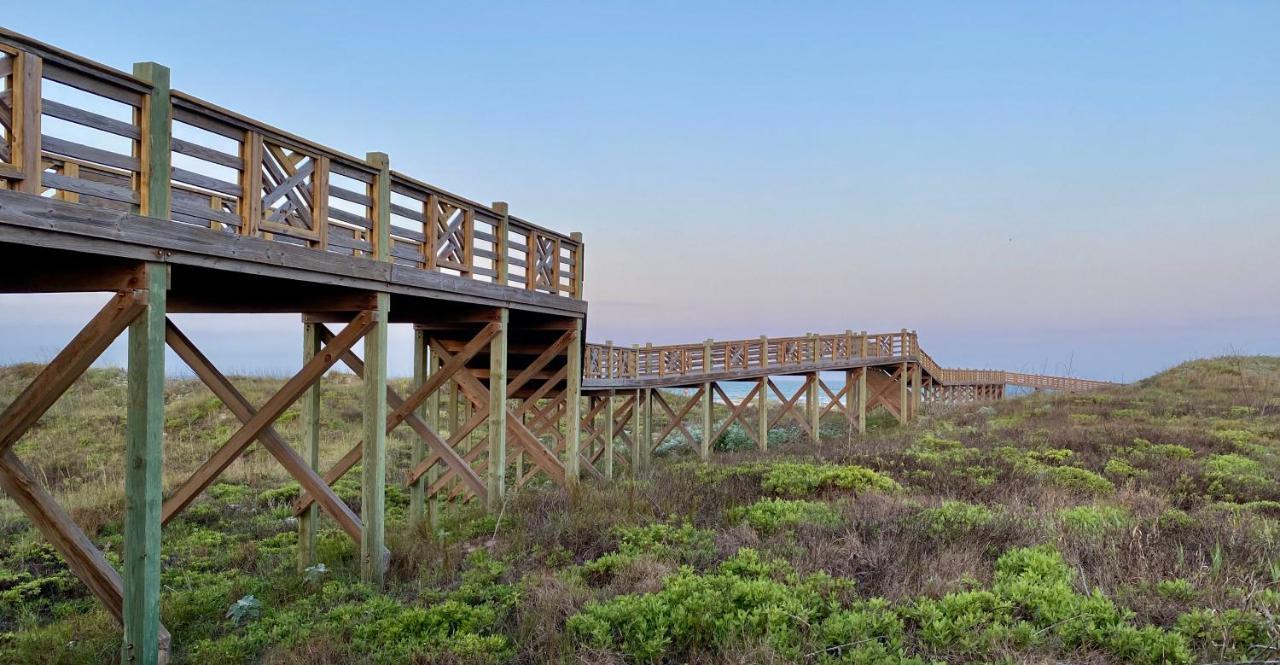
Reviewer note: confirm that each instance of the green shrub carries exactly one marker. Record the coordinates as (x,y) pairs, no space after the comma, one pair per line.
(1233,476)
(1232,633)
(797,479)
(745,598)
(1093,521)
(1177,589)
(1079,481)
(771,515)
(953,519)
(1122,470)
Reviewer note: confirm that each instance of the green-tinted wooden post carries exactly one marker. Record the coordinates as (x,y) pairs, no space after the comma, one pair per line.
(144,429)
(421,369)
(862,398)
(811,405)
(636,427)
(573,405)
(144,473)
(433,504)
(645,440)
(849,399)
(312,342)
(374,453)
(608,435)
(762,414)
(704,451)
(904,404)
(373,556)
(496,482)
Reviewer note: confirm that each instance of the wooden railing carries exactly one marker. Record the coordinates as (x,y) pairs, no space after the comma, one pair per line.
(80,131)
(810,352)
(609,361)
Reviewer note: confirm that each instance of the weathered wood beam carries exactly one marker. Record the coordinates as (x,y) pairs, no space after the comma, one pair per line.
(308,521)
(144,473)
(373,464)
(496,486)
(56,377)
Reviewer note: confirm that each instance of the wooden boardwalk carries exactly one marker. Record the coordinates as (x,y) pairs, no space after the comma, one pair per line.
(113,182)
(628,386)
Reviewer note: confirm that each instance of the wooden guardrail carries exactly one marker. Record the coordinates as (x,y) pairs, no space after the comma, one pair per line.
(76,129)
(797,354)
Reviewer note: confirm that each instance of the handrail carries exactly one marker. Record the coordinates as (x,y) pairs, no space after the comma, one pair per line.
(240,176)
(797,354)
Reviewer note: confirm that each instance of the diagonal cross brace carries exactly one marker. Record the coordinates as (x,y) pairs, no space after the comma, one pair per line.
(68,365)
(270,438)
(80,554)
(440,448)
(289,393)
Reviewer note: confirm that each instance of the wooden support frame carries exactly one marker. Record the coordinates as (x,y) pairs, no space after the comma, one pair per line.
(310,421)
(496,482)
(373,464)
(440,448)
(788,407)
(132,596)
(676,417)
(270,411)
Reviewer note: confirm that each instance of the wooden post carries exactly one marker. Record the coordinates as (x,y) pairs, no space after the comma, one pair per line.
(608,435)
(707,443)
(573,399)
(312,342)
(811,406)
(636,426)
(916,387)
(849,398)
(374,452)
(904,375)
(144,473)
(763,415)
(27,78)
(496,483)
(579,263)
(422,367)
(501,231)
(380,192)
(157,114)
(764,351)
(862,394)
(645,439)
(635,364)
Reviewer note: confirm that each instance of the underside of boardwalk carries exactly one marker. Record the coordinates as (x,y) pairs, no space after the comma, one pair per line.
(111,182)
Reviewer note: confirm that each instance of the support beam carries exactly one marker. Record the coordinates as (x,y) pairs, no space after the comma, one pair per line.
(707,434)
(637,430)
(904,404)
(144,473)
(609,435)
(309,519)
(417,489)
(811,401)
(917,387)
(862,394)
(645,442)
(573,402)
(497,479)
(762,414)
(373,481)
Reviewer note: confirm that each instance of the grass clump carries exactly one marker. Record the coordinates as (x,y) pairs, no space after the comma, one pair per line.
(770,515)
(797,479)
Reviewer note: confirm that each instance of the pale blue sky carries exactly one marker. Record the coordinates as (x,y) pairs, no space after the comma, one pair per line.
(1092,187)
